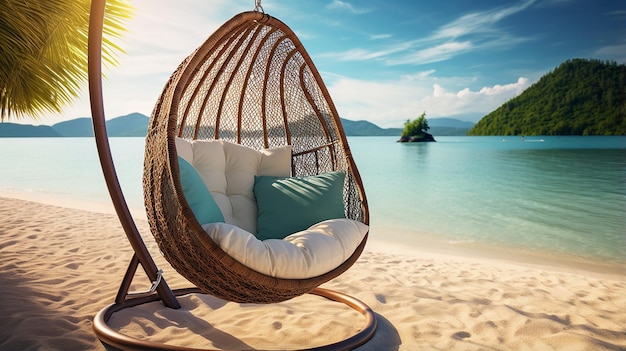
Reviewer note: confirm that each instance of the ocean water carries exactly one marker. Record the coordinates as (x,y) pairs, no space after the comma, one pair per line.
(556,194)
(561,194)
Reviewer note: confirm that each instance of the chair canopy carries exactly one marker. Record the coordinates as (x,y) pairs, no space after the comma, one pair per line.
(251,83)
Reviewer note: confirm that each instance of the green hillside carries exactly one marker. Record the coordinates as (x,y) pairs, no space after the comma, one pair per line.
(580,97)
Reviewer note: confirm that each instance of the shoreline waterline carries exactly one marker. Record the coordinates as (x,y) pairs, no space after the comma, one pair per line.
(460,193)
(421,243)
(417,244)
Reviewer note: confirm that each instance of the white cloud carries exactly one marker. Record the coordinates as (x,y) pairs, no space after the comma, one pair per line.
(478,22)
(389,104)
(356,55)
(439,91)
(432,54)
(419,75)
(345,6)
(359,54)
(478,29)
(380,36)
(483,101)
(614,52)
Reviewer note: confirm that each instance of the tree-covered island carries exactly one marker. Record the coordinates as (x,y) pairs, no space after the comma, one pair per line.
(416,131)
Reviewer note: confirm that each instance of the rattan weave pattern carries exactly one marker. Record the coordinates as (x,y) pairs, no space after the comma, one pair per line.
(251,82)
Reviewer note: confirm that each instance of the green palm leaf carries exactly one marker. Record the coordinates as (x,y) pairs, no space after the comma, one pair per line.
(43,52)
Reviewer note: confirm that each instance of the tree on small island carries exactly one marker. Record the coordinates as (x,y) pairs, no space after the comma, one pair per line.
(416,131)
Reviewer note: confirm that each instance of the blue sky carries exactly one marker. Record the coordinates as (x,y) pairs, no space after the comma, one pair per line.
(382,60)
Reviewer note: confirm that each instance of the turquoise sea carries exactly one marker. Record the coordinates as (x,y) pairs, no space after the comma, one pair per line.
(565,195)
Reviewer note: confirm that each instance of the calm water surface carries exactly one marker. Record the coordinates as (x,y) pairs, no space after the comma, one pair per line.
(561,194)
(565,194)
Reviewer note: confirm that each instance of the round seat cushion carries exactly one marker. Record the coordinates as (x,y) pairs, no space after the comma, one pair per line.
(305,254)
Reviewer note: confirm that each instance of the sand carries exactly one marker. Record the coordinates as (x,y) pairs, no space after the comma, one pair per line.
(61,264)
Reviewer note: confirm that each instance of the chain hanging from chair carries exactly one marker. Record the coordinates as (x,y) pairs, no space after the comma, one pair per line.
(258,7)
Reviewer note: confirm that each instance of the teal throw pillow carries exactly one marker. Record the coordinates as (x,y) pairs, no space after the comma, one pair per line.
(198,196)
(289,205)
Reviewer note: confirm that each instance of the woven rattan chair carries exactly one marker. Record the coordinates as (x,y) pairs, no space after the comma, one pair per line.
(251,83)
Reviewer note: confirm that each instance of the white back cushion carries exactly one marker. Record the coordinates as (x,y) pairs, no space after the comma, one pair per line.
(228,171)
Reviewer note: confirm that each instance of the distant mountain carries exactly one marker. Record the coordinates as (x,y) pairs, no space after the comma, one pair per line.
(79,127)
(438,127)
(132,125)
(365,128)
(580,97)
(21,130)
(448,126)
(448,131)
(449,123)
(136,125)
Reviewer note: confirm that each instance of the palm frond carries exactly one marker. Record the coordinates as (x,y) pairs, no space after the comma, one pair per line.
(43,57)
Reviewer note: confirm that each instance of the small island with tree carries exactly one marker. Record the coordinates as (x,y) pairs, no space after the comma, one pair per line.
(416,131)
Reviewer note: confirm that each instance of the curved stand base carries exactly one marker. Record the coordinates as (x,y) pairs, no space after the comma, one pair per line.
(114,339)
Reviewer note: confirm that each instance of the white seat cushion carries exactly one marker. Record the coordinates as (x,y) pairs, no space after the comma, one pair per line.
(306,254)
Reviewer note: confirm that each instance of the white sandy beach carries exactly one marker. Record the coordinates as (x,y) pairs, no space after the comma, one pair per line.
(61,262)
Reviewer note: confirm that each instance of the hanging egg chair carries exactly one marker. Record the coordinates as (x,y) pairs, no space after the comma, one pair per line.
(250,187)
